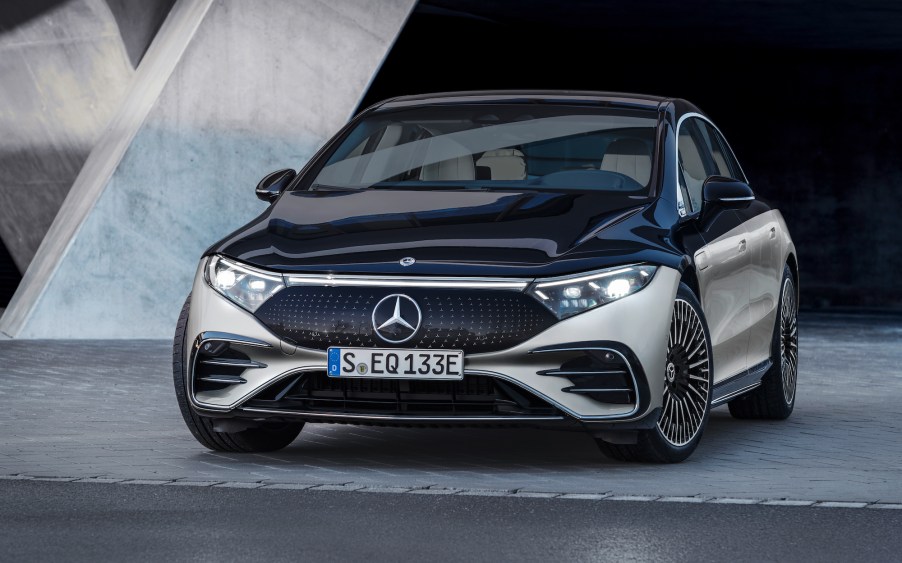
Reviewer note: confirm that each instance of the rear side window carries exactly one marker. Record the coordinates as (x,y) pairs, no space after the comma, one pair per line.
(709,137)
(702,153)
(726,154)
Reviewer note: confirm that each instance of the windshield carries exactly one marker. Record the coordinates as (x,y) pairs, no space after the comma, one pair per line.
(495,146)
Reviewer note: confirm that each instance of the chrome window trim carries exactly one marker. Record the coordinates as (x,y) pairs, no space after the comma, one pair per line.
(681,209)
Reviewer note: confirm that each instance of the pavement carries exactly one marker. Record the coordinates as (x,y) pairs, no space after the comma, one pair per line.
(49,521)
(105,411)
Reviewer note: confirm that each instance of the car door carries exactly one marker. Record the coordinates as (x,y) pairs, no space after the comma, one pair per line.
(766,269)
(723,263)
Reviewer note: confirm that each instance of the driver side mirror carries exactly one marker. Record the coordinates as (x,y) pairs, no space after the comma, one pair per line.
(726,193)
(272,185)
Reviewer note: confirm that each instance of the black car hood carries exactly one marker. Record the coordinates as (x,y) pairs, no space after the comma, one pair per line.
(451,232)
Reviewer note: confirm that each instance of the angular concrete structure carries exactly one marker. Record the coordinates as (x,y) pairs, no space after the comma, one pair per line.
(228,91)
(64,72)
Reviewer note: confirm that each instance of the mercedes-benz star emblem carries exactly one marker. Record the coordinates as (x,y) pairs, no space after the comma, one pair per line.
(408,261)
(396,318)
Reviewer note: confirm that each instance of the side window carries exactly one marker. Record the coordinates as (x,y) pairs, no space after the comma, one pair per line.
(730,157)
(709,135)
(694,162)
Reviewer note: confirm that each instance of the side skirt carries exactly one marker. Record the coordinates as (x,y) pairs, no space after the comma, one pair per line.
(739,383)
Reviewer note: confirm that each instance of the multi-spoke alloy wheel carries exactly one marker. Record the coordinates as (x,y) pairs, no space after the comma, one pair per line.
(683,414)
(789,341)
(687,379)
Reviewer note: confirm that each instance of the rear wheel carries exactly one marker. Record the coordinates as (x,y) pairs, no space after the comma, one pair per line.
(776,396)
(264,438)
(687,391)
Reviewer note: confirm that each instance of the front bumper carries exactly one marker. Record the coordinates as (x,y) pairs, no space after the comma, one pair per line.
(632,331)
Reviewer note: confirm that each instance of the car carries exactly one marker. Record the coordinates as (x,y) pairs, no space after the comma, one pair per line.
(552,259)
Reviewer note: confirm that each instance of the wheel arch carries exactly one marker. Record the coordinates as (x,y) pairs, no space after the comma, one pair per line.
(793,264)
(690,278)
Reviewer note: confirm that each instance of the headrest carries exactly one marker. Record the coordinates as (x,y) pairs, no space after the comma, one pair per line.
(505,164)
(629,157)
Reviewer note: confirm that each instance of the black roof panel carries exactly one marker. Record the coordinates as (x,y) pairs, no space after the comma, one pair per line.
(524,96)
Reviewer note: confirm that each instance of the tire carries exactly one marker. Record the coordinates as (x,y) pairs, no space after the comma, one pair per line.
(687,391)
(261,439)
(775,398)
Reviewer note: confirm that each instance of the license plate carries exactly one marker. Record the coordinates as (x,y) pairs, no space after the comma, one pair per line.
(395,363)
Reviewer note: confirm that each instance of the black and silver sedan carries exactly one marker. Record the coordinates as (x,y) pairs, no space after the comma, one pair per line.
(576,260)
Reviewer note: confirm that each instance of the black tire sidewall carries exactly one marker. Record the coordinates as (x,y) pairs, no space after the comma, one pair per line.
(775,344)
(259,439)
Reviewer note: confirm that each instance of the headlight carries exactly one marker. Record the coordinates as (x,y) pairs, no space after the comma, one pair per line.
(243,285)
(569,296)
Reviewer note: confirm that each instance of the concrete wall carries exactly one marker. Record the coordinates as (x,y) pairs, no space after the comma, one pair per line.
(138,22)
(63,73)
(260,86)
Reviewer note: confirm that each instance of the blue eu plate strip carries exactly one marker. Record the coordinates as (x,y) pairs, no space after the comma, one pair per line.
(334,362)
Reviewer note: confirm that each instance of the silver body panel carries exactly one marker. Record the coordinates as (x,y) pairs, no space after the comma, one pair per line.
(724,295)
(640,321)
(739,276)
(770,246)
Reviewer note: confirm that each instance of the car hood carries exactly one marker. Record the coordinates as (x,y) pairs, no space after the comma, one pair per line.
(450,232)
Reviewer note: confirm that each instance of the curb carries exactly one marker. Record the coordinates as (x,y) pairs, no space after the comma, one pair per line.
(441,491)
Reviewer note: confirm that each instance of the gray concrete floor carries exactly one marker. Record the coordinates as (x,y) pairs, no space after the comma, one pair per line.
(91,522)
(106,409)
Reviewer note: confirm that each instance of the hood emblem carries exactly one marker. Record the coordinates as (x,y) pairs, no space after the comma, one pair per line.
(408,261)
(396,318)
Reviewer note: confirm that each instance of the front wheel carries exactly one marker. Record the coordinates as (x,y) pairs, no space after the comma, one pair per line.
(687,390)
(262,438)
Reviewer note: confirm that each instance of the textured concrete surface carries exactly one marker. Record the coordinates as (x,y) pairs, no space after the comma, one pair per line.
(46,521)
(107,409)
(139,21)
(260,87)
(64,72)
(164,54)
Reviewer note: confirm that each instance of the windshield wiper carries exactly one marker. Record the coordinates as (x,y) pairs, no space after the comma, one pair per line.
(429,187)
(325,188)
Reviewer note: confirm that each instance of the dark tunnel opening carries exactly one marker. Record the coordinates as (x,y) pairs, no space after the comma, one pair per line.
(817,130)
(9,276)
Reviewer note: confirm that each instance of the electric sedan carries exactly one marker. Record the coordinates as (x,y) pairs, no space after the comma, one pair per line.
(574,260)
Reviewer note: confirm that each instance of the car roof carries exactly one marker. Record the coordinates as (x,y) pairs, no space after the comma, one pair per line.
(616,99)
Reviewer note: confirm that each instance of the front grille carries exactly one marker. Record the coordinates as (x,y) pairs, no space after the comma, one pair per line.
(460,319)
(474,395)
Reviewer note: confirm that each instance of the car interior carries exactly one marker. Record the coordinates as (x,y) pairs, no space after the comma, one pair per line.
(444,152)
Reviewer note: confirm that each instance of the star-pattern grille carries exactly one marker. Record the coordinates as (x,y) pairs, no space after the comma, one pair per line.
(460,319)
